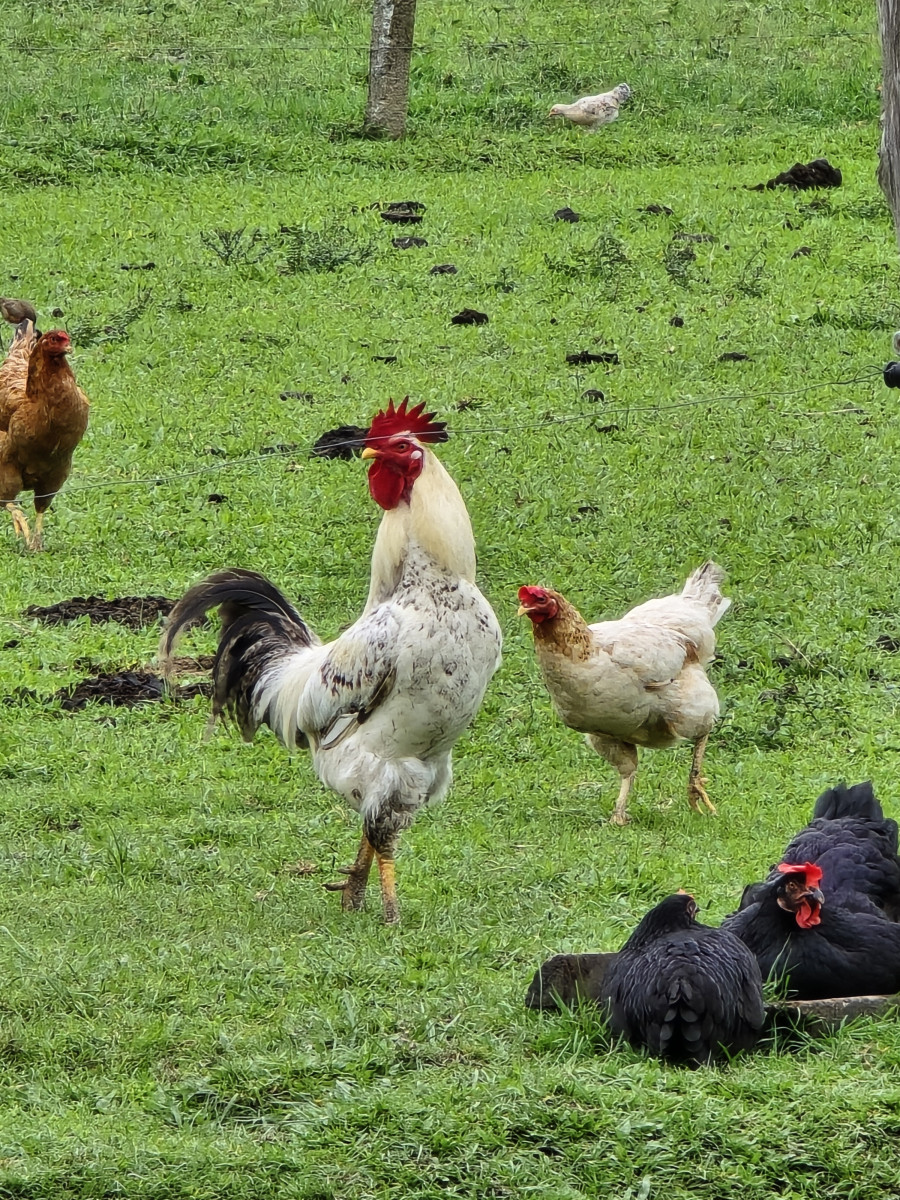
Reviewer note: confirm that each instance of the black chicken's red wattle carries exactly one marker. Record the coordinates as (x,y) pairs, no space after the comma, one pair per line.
(808,914)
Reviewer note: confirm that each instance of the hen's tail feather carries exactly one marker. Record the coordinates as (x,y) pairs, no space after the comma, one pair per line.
(843,801)
(703,586)
(25,336)
(260,627)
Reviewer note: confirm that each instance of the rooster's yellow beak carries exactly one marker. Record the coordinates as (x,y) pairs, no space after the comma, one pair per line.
(369,453)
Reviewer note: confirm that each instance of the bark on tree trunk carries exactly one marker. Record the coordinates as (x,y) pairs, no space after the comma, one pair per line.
(393,26)
(889,153)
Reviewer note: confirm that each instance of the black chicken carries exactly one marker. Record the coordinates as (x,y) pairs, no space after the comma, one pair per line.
(682,990)
(840,938)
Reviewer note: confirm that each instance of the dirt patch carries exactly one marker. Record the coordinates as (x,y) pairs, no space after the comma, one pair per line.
(301,868)
(734,356)
(147,266)
(657,210)
(582,358)
(593,394)
(443,269)
(384,358)
(127,689)
(567,214)
(408,243)
(345,442)
(802,252)
(816,174)
(404,212)
(470,316)
(185,664)
(134,611)
(307,397)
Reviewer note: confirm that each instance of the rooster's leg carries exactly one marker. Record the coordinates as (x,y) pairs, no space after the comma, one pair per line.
(622,756)
(18,518)
(388,887)
(696,790)
(353,888)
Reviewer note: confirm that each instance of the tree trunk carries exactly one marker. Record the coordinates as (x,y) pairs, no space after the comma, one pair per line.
(393,27)
(889,153)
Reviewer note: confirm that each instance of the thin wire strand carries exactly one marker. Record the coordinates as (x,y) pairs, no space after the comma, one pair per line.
(172,48)
(869,373)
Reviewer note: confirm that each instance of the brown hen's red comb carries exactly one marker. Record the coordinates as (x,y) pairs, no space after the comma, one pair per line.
(811,873)
(420,425)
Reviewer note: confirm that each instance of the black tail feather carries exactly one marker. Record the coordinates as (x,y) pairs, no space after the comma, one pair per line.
(843,801)
(259,625)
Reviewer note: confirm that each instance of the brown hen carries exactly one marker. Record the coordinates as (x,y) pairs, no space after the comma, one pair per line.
(43,416)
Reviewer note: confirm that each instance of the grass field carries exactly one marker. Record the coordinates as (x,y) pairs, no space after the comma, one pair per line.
(184,1015)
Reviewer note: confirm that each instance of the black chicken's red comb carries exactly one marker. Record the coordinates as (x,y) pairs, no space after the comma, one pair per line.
(810,872)
(402,419)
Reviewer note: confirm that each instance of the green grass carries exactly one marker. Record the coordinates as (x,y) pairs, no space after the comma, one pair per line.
(181,1015)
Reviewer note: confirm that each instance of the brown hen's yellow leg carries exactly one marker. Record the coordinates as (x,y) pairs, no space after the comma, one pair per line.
(619,814)
(353,888)
(622,756)
(18,518)
(696,789)
(36,541)
(388,888)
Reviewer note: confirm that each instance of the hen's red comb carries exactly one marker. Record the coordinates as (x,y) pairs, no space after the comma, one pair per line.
(811,873)
(421,425)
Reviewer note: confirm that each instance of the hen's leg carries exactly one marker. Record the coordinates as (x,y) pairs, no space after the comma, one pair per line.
(353,888)
(622,756)
(36,541)
(18,518)
(696,789)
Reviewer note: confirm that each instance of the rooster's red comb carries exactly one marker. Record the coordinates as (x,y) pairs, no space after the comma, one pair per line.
(811,873)
(402,419)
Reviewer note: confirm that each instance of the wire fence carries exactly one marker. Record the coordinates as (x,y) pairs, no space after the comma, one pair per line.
(176,46)
(867,375)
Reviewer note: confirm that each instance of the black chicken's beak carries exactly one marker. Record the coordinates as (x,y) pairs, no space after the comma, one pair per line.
(814,894)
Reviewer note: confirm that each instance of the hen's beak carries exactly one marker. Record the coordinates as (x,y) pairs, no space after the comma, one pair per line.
(814,894)
(369,452)
(524,610)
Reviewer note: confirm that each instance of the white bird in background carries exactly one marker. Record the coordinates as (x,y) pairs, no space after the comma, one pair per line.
(594,111)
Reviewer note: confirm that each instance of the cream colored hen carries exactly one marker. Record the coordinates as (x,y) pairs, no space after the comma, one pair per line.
(594,111)
(638,681)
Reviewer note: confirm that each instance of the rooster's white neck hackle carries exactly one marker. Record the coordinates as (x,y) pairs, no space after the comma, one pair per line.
(434,522)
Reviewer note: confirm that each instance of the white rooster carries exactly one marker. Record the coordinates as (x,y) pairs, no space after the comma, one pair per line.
(594,111)
(381,706)
(638,681)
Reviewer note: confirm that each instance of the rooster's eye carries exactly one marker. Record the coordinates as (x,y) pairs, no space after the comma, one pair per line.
(401,446)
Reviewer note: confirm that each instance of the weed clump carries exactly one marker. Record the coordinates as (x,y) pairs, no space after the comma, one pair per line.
(237,248)
(90,330)
(679,259)
(326,249)
(606,261)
